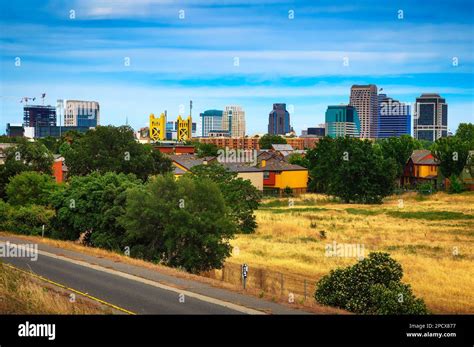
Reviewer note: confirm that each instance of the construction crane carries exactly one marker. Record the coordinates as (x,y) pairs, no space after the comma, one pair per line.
(25,99)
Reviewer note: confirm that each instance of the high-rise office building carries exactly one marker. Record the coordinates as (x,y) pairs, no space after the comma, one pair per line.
(342,120)
(82,113)
(233,120)
(394,117)
(430,121)
(279,120)
(39,115)
(364,99)
(211,120)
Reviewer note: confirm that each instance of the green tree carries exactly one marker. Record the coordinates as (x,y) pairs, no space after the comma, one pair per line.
(113,149)
(205,149)
(465,133)
(92,204)
(351,169)
(181,223)
(25,156)
(452,153)
(240,195)
(400,149)
(298,159)
(267,140)
(30,187)
(51,143)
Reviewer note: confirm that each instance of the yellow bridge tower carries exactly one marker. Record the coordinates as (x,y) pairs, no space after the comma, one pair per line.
(158,127)
(184,128)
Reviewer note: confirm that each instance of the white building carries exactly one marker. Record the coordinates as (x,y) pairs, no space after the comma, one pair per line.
(233,120)
(82,113)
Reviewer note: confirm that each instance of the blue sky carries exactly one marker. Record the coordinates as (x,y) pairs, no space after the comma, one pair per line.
(297,60)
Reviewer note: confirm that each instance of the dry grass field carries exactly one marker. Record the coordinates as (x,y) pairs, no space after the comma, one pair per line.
(431,237)
(23,294)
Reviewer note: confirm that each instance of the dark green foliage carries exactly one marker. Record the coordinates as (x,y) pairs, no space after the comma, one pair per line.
(371,286)
(113,149)
(452,153)
(425,188)
(298,159)
(93,203)
(267,140)
(25,219)
(30,187)
(351,169)
(465,133)
(239,194)
(181,224)
(205,149)
(25,156)
(455,185)
(287,192)
(400,149)
(51,143)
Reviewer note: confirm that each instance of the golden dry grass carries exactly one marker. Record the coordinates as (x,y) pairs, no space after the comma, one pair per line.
(288,240)
(22,294)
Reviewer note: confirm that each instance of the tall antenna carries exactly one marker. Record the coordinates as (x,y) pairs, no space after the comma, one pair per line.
(190,108)
(42,97)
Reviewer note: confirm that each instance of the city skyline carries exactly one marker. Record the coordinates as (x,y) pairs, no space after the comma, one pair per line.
(236,52)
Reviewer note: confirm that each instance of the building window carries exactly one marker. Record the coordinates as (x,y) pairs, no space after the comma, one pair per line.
(266,175)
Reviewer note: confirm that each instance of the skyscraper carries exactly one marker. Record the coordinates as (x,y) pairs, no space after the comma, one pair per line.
(211,120)
(430,121)
(279,120)
(233,120)
(82,113)
(364,99)
(342,120)
(394,117)
(38,115)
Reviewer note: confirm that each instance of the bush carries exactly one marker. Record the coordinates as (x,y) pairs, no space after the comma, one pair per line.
(27,220)
(455,185)
(425,188)
(372,286)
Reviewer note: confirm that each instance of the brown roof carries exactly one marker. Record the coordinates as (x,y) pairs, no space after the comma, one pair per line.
(188,161)
(423,157)
(275,165)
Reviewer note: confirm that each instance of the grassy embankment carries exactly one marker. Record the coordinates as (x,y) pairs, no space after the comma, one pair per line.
(424,236)
(22,294)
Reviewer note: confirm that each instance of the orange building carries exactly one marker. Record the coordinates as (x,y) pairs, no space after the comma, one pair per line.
(421,167)
(295,142)
(232,142)
(59,169)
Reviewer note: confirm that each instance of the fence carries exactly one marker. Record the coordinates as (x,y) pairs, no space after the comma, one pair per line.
(275,283)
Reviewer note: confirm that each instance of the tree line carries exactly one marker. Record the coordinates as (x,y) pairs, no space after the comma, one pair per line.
(122,195)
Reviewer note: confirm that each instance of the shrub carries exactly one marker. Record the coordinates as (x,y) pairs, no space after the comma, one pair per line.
(27,220)
(455,185)
(425,188)
(371,286)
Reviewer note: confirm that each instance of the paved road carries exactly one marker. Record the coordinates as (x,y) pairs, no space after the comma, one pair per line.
(136,289)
